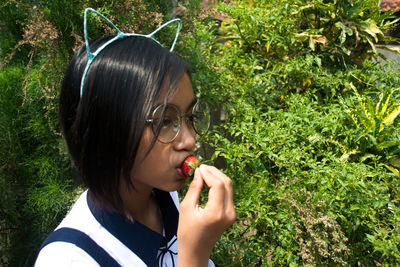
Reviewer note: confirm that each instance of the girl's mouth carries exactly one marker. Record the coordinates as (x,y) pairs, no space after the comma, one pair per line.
(180,172)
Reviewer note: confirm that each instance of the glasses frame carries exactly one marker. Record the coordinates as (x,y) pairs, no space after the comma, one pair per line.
(180,116)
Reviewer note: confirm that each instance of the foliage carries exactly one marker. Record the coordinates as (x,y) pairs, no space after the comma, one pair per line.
(377,120)
(37,180)
(340,32)
(311,186)
(10,148)
(309,133)
(32,161)
(302,200)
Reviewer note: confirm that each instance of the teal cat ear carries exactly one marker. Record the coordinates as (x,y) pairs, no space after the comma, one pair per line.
(178,29)
(85,31)
(92,55)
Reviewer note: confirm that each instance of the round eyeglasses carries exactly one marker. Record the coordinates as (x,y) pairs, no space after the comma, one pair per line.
(166,121)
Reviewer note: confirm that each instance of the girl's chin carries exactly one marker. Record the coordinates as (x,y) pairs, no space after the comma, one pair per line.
(181,183)
(175,185)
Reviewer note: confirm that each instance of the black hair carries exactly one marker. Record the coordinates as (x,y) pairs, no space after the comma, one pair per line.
(103,128)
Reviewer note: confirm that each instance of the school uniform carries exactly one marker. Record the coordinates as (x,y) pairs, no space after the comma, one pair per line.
(91,236)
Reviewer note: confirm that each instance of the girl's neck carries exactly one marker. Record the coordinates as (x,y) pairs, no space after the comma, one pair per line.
(140,205)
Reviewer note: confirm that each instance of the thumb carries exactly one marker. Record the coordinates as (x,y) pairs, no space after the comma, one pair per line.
(193,194)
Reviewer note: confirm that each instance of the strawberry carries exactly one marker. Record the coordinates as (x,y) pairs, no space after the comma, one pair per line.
(189,165)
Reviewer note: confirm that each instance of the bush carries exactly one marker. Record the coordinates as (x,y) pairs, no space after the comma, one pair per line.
(34,164)
(37,180)
(309,130)
(299,197)
(314,185)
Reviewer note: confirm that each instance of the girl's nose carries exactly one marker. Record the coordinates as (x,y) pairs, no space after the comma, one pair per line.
(186,138)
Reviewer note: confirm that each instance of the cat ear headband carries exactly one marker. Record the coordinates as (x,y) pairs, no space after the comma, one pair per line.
(120,35)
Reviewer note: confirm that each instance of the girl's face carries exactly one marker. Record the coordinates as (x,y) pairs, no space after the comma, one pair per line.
(161,167)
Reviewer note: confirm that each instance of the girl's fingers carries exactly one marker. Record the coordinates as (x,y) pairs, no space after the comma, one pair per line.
(193,194)
(220,199)
(229,206)
(219,208)
(216,194)
(227,183)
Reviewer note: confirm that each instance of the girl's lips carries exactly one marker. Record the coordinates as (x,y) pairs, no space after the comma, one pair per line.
(180,172)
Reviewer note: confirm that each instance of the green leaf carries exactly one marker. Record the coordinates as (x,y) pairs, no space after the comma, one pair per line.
(379,109)
(371,28)
(393,170)
(372,45)
(342,36)
(391,116)
(366,156)
(393,49)
(387,144)
(395,162)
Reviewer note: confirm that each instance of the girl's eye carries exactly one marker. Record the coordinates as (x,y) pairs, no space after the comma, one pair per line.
(195,117)
(176,126)
(167,123)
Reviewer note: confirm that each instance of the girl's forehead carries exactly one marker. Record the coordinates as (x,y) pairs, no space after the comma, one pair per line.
(182,96)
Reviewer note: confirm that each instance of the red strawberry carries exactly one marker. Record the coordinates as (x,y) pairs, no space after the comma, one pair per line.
(189,165)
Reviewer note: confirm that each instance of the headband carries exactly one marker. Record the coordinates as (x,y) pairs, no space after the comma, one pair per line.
(120,35)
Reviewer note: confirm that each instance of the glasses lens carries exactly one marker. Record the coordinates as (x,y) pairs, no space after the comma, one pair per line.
(166,122)
(201,118)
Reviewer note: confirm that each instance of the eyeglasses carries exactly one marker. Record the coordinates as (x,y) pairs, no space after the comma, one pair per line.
(166,121)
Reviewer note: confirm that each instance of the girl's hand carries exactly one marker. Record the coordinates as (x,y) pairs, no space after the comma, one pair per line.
(200,228)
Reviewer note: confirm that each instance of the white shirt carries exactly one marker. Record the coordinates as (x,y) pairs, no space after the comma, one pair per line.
(130,244)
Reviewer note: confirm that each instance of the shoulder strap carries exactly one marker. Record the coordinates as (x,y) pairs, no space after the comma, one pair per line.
(84,242)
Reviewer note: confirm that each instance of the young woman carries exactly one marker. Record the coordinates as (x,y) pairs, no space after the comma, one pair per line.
(130,119)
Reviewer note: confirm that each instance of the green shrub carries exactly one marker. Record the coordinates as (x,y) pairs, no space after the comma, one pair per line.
(305,134)
(311,188)
(299,197)
(37,181)
(10,147)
